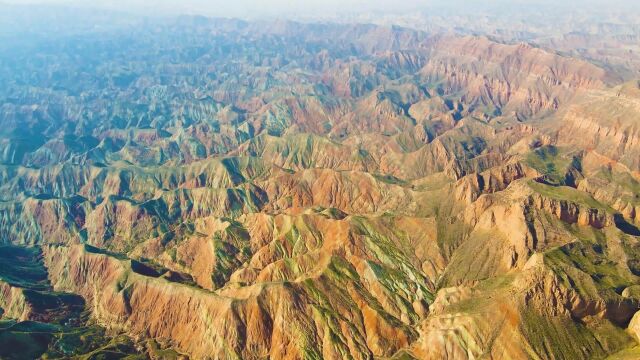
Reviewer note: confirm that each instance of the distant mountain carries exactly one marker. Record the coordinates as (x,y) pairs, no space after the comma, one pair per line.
(603,32)
(217,188)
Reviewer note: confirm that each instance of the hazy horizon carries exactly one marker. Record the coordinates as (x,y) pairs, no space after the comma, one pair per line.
(323,8)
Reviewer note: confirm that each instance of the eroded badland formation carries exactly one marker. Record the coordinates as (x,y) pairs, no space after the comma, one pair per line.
(230,190)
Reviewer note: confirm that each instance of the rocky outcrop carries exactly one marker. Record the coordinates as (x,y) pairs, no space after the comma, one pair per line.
(515,315)
(634,326)
(619,195)
(13,302)
(509,226)
(571,212)
(517,78)
(469,188)
(276,320)
(605,122)
(551,297)
(565,203)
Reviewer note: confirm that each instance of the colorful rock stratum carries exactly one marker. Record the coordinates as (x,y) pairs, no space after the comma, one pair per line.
(219,189)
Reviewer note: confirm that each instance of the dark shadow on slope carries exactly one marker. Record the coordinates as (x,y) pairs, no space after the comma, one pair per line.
(146,269)
(22,267)
(57,322)
(623,225)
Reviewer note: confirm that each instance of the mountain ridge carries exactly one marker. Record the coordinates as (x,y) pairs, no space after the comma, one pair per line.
(230,190)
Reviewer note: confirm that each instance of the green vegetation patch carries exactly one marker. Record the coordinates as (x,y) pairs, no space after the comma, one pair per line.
(566,193)
(585,268)
(22,267)
(553,163)
(568,340)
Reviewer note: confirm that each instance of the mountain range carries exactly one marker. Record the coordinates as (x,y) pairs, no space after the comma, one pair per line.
(205,188)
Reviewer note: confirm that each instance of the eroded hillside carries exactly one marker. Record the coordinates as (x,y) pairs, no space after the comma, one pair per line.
(231,190)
